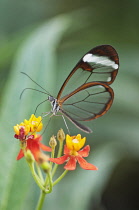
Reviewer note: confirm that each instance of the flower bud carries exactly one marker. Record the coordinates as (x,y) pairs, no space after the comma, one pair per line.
(61,135)
(29,156)
(42,158)
(43,162)
(46,167)
(53,142)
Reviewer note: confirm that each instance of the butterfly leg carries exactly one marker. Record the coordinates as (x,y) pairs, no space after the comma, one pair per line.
(65,123)
(46,114)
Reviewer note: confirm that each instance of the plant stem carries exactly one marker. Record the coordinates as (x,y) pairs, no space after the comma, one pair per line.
(43,193)
(35,176)
(59,178)
(41,200)
(50,182)
(58,155)
(39,172)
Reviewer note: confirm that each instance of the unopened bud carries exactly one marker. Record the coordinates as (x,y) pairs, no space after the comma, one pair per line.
(46,167)
(43,162)
(42,158)
(53,142)
(61,135)
(29,156)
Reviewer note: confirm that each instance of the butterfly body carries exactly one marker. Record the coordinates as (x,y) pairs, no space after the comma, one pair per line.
(54,105)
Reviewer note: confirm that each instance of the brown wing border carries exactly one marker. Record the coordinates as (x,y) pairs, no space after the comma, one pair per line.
(85,86)
(102,50)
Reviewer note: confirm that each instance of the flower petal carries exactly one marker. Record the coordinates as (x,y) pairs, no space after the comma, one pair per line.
(85,151)
(45,148)
(59,160)
(69,142)
(84,164)
(20,155)
(66,150)
(71,164)
(38,138)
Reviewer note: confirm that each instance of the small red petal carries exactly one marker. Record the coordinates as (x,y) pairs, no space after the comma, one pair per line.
(85,151)
(22,132)
(20,155)
(84,164)
(71,164)
(39,138)
(59,160)
(45,148)
(16,136)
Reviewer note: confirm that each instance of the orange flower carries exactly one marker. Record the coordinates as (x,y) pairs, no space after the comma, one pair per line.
(35,146)
(29,140)
(73,154)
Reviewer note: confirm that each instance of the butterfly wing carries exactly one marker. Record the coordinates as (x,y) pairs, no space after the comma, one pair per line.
(86,95)
(99,64)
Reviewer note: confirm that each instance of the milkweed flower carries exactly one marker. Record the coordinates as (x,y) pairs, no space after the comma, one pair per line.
(29,139)
(73,154)
(35,146)
(33,125)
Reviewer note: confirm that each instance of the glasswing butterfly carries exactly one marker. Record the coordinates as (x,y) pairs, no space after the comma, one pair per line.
(86,95)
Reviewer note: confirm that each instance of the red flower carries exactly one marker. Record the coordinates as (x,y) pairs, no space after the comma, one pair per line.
(29,140)
(73,155)
(35,146)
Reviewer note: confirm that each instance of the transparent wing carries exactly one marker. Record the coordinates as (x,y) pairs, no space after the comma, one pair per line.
(87,102)
(99,64)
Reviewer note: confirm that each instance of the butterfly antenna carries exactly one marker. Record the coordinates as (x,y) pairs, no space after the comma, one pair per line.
(31,89)
(65,123)
(36,83)
(39,105)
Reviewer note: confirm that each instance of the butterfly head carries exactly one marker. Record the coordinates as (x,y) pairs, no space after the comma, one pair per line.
(54,104)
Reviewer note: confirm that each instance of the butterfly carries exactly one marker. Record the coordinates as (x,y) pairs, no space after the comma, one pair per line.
(86,93)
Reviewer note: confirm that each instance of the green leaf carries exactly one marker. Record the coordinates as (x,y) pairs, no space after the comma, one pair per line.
(37,57)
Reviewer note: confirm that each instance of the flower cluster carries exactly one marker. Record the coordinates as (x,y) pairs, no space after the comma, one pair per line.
(26,132)
(71,150)
(73,154)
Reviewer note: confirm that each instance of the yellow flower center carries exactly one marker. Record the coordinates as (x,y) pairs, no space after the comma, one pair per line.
(73,152)
(75,143)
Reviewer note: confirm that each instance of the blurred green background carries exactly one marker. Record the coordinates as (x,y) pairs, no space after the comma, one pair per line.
(46,39)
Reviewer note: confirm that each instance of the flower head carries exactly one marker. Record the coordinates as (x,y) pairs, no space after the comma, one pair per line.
(35,123)
(75,143)
(73,154)
(29,140)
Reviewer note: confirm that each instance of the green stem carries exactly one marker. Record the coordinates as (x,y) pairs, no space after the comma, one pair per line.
(58,155)
(49,177)
(59,178)
(53,152)
(39,172)
(43,193)
(52,156)
(41,200)
(35,176)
